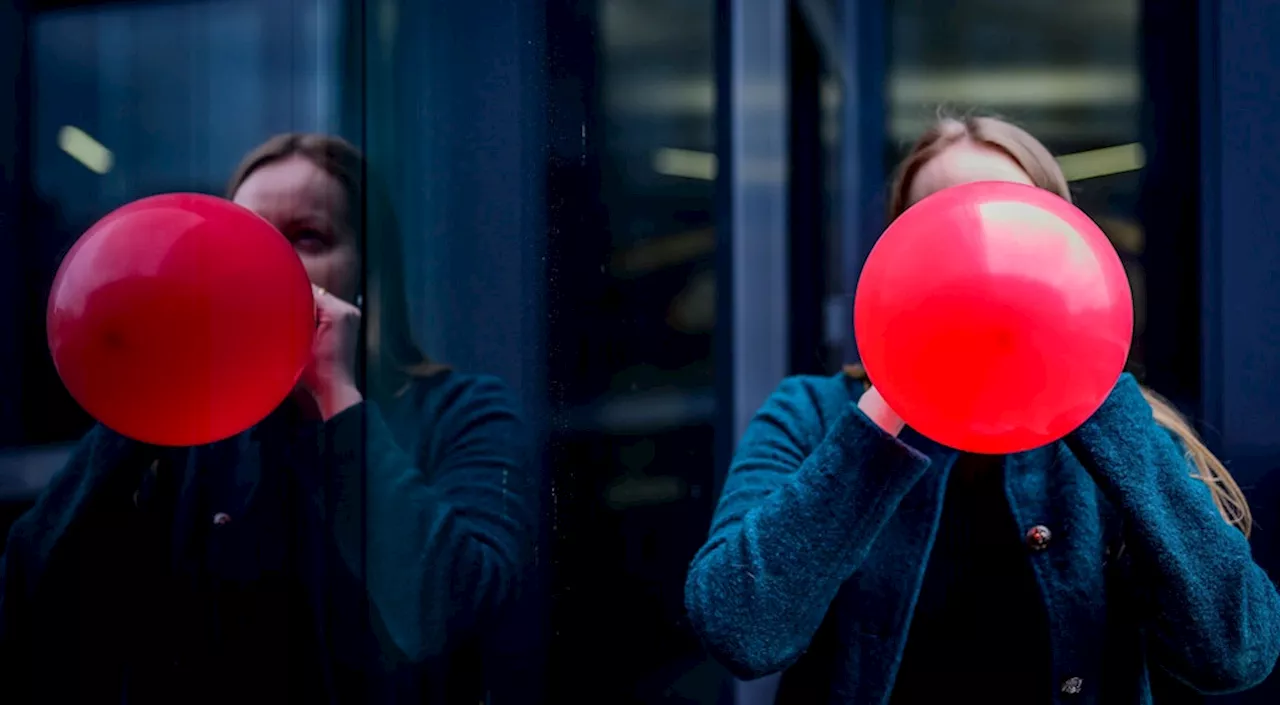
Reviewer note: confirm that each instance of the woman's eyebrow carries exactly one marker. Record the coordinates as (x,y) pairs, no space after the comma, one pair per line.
(316,219)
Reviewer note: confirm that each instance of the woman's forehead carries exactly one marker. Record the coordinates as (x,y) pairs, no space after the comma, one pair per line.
(963,163)
(292,186)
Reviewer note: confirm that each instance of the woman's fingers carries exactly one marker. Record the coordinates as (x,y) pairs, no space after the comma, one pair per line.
(875,407)
(330,306)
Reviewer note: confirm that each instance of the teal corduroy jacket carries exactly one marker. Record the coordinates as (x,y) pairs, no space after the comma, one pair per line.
(826,523)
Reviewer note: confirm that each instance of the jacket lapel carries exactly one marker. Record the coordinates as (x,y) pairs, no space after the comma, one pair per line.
(1049,487)
(876,604)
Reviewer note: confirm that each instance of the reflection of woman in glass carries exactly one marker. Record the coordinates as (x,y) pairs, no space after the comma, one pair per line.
(344,550)
(876,573)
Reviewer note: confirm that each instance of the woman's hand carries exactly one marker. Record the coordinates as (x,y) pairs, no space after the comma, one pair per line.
(330,378)
(875,407)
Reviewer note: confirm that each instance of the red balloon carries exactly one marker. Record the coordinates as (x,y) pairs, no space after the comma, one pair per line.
(993,317)
(181,319)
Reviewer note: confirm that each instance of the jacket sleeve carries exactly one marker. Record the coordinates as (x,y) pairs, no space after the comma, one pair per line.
(801,506)
(1214,621)
(440,538)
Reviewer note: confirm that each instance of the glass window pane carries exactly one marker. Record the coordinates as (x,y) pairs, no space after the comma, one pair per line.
(373,538)
(495,465)
(135,99)
(1070,74)
(633,353)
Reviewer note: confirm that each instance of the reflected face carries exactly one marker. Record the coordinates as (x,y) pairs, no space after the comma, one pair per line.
(965,162)
(310,207)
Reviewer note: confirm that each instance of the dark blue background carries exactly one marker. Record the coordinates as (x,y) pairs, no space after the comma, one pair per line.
(490,116)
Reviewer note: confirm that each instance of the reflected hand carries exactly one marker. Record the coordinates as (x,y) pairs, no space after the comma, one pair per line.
(875,407)
(330,377)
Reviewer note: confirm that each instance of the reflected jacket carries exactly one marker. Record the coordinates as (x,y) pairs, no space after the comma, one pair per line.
(356,560)
(827,521)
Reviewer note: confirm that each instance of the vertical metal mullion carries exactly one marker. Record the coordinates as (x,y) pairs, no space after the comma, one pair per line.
(863,144)
(757,181)
(1239,259)
(1211,313)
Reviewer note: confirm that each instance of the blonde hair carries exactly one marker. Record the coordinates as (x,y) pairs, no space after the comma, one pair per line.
(1043,169)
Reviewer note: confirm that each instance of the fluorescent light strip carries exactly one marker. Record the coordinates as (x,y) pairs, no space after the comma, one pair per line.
(81,147)
(685,163)
(1102,162)
(1017,87)
(909,90)
(690,164)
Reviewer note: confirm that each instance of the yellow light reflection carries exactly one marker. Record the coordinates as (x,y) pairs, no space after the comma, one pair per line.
(85,149)
(1102,162)
(690,164)
(685,163)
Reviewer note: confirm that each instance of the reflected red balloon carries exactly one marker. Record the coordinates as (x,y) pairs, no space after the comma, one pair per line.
(993,317)
(181,319)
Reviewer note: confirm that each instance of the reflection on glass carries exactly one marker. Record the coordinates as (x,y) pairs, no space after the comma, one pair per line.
(633,351)
(352,546)
(368,540)
(134,99)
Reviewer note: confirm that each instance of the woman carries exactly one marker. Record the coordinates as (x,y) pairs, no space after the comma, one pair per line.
(881,570)
(355,546)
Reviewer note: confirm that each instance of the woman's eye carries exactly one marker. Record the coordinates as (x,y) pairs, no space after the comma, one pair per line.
(309,241)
